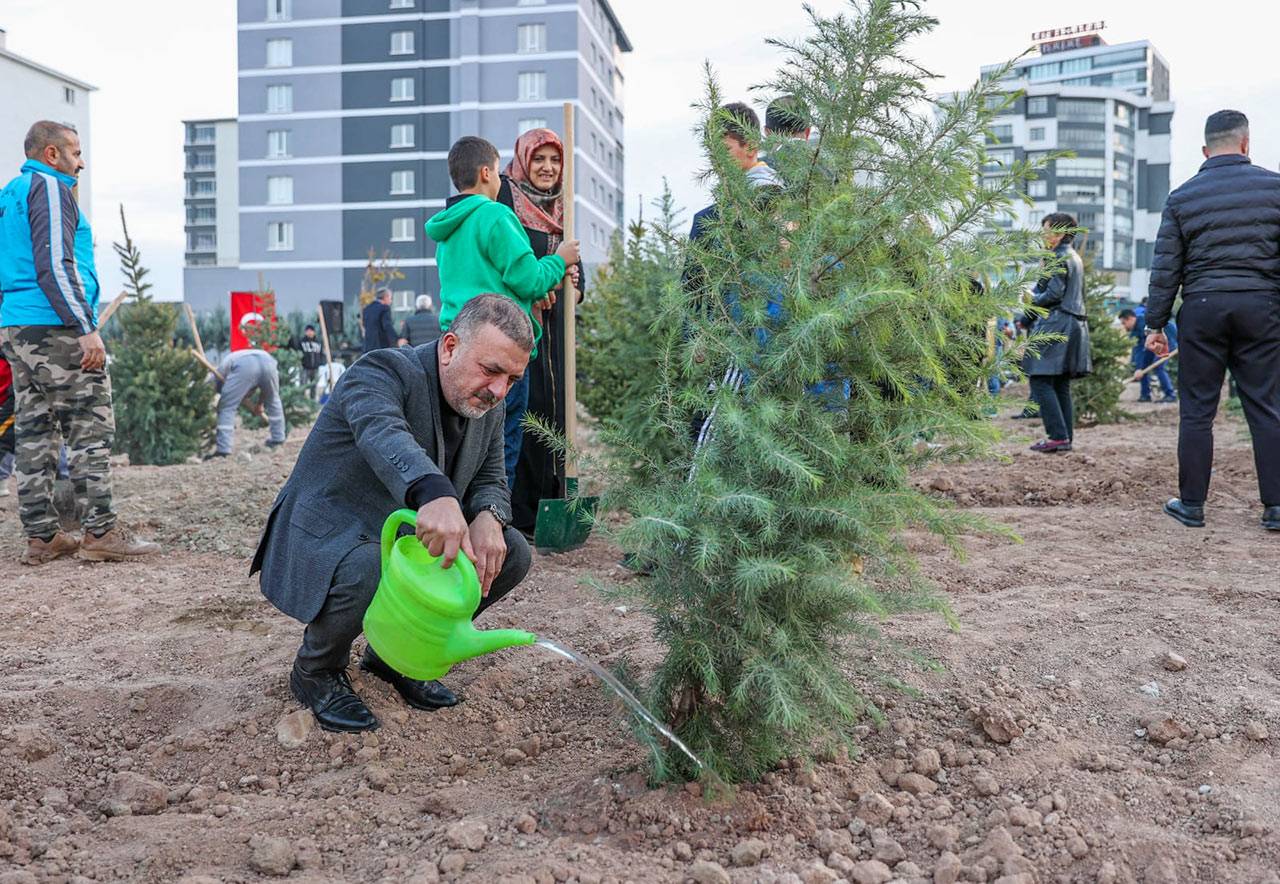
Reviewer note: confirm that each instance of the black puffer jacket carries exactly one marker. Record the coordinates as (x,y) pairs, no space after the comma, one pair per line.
(1062,294)
(1220,233)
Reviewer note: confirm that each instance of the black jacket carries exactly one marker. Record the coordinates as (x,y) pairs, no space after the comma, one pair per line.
(1062,294)
(312,352)
(1220,233)
(422,327)
(379,332)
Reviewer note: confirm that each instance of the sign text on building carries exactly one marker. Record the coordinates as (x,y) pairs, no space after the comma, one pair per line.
(1058,33)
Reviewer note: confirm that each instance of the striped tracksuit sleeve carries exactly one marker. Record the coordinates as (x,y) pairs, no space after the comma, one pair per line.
(53,216)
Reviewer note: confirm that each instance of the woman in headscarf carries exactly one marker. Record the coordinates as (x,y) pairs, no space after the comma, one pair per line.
(532,185)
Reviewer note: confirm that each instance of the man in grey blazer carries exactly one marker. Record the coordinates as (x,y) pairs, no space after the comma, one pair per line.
(418,427)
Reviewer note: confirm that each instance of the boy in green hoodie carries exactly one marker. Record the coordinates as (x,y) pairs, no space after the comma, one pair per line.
(482,247)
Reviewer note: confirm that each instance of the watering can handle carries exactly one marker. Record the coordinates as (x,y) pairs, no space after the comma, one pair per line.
(391,527)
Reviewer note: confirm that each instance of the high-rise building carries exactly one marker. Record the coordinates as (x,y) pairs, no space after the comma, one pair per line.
(1110,106)
(212,193)
(34,92)
(347,111)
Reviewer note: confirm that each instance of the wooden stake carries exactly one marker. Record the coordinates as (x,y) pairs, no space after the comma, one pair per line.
(200,357)
(328,356)
(111,308)
(195,330)
(1153,366)
(570,310)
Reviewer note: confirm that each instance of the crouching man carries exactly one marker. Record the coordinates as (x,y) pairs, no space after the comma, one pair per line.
(418,427)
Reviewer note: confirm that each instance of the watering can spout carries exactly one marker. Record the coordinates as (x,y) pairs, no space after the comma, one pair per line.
(473,642)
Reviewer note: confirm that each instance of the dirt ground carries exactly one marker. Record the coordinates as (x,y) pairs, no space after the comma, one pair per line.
(147,732)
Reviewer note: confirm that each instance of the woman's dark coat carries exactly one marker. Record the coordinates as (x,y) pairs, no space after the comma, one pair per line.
(1062,294)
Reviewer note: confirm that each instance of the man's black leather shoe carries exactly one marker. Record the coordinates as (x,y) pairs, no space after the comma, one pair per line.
(426,695)
(1271,518)
(332,700)
(1191,516)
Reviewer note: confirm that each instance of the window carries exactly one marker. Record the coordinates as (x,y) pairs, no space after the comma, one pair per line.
(1082,110)
(1045,71)
(998,158)
(402,42)
(201,134)
(202,242)
(203,187)
(531,38)
(279,10)
(1037,133)
(402,135)
(1076,65)
(1081,167)
(1001,133)
(532,86)
(402,182)
(1122,141)
(280,53)
(1124,197)
(1084,139)
(1124,115)
(277,144)
(1038,105)
(202,215)
(1038,189)
(280,190)
(1129,56)
(1123,225)
(402,89)
(1123,251)
(279,99)
(1035,217)
(68,95)
(402,230)
(1089,194)
(530,123)
(995,102)
(200,161)
(402,299)
(280,236)
(402,4)
(1122,170)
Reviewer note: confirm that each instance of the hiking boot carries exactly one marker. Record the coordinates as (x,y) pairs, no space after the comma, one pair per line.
(1052,446)
(1271,518)
(216,454)
(272,443)
(1191,516)
(41,551)
(116,545)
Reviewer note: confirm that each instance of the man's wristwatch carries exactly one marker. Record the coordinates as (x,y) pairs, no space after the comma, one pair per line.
(492,509)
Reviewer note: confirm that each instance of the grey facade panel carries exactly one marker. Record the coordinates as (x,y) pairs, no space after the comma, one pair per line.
(383,7)
(365,135)
(256,10)
(368,182)
(363,229)
(313,92)
(311,46)
(1143,253)
(1156,191)
(1161,124)
(319,183)
(498,34)
(371,42)
(363,89)
(317,236)
(307,138)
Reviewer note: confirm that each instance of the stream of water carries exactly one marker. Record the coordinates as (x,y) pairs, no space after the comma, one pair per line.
(620,689)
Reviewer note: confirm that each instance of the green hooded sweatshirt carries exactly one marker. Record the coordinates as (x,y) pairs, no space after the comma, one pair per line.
(481,247)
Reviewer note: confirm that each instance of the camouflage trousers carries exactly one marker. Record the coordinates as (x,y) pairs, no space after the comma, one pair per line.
(57,401)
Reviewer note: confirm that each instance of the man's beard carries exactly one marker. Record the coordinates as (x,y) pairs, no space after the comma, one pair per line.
(472,412)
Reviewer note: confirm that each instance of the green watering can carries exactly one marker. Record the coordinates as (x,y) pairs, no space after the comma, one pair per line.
(419,621)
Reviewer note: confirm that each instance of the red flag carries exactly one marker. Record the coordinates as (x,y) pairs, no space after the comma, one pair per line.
(244,311)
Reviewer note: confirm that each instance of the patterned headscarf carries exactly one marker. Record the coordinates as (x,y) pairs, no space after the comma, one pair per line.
(537,209)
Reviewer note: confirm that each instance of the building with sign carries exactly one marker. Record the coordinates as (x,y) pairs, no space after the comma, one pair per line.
(1110,105)
(346,114)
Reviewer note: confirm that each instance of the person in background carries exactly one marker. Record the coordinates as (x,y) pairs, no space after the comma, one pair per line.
(1142,358)
(1054,365)
(1219,244)
(312,355)
(49,335)
(482,248)
(423,326)
(379,331)
(244,371)
(532,187)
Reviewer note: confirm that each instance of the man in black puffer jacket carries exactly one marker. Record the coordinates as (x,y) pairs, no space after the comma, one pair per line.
(1219,241)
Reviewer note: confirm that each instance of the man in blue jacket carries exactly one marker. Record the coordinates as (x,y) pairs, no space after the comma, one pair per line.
(49,334)
(1134,322)
(1219,242)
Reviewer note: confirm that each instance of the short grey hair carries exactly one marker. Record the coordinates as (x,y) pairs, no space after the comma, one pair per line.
(423,302)
(497,310)
(44,133)
(382,293)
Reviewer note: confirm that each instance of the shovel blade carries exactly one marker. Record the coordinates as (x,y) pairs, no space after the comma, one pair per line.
(564,524)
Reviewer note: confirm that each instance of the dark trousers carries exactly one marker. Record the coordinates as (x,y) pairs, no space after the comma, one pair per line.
(1239,331)
(1052,392)
(326,643)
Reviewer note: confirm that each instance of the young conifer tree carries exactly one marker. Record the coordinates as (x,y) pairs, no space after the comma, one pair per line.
(1097,396)
(163,404)
(767,555)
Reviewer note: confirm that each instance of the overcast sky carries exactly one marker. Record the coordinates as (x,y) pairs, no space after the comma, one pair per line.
(157,62)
